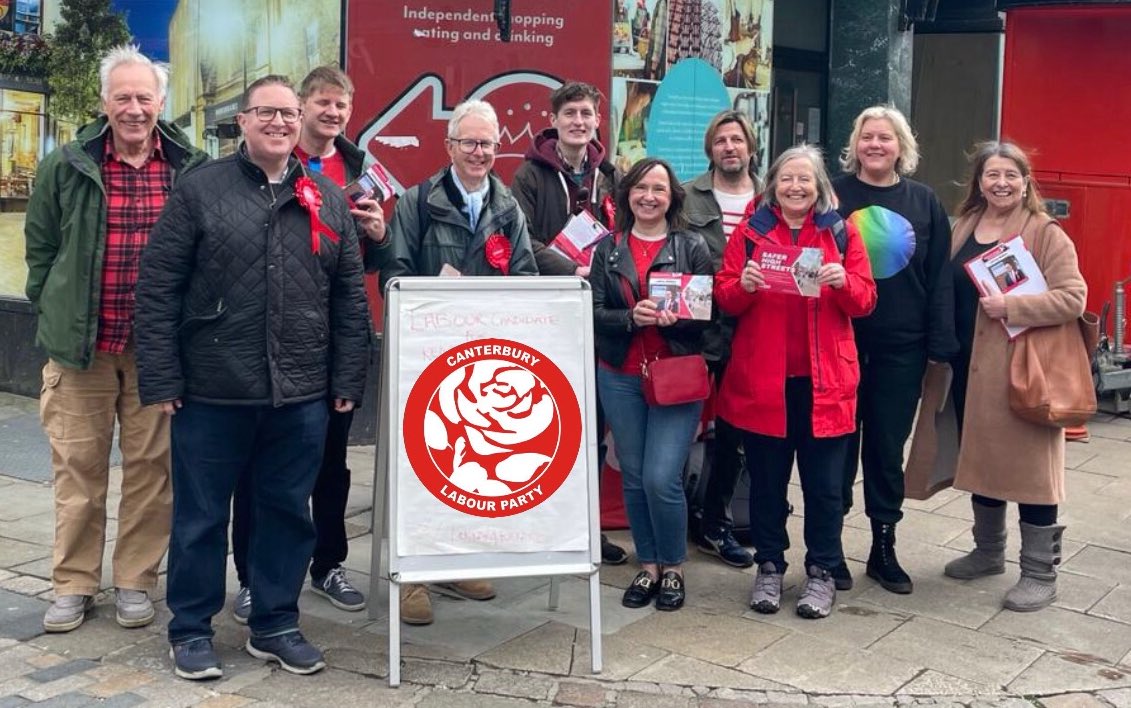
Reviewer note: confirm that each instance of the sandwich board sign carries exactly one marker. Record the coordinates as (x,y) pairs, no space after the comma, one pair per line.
(486,455)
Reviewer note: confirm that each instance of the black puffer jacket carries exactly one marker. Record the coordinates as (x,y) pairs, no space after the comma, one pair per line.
(233,306)
(613,268)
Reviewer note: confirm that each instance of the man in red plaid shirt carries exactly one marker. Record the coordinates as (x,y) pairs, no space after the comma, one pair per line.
(89,218)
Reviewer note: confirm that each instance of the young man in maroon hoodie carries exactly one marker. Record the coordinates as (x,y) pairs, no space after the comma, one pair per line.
(565,173)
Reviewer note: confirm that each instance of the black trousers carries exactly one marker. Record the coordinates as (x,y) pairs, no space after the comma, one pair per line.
(820,462)
(890,385)
(726,465)
(327,505)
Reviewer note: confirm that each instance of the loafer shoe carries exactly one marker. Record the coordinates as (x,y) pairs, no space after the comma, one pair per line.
(195,660)
(134,608)
(291,651)
(640,591)
(67,612)
(241,606)
(335,588)
(672,592)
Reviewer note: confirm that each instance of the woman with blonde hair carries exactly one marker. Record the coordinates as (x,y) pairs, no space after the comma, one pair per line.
(1001,456)
(907,234)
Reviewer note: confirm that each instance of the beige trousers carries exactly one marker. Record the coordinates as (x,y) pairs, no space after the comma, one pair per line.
(78,409)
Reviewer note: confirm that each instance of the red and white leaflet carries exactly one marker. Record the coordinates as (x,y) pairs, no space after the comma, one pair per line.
(686,296)
(790,270)
(1007,269)
(577,239)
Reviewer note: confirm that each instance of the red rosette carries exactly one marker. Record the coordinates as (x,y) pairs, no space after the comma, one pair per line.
(498,252)
(610,209)
(310,198)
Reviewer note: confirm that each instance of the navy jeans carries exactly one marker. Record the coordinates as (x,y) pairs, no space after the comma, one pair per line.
(651,444)
(327,503)
(820,463)
(280,450)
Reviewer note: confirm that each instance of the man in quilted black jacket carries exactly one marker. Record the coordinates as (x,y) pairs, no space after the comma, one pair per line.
(251,315)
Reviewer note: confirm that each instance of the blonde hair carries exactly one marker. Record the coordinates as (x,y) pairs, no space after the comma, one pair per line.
(908,160)
(820,174)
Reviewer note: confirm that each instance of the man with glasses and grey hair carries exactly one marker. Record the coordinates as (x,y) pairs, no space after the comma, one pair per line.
(95,201)
(252,325)
(446,225)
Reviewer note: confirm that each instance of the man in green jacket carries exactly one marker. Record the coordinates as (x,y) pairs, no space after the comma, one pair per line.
(94,203)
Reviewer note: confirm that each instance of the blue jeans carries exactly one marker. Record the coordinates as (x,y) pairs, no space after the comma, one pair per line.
(280,449)
(651,443)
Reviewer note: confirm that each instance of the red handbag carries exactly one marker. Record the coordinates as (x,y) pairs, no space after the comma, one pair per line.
(675,380)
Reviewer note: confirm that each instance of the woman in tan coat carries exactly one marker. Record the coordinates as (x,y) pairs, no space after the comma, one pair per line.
(1002,457)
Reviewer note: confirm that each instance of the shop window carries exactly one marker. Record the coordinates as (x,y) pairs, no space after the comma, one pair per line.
(21,136)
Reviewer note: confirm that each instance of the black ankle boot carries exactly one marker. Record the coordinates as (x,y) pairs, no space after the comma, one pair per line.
(883,566)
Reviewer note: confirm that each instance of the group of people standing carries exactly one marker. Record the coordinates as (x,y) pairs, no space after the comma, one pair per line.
(216,311)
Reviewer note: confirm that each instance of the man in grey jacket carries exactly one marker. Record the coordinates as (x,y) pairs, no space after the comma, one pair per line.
(716,203)
(463,217)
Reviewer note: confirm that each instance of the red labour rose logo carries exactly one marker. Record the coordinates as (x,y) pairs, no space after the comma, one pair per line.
(492,427)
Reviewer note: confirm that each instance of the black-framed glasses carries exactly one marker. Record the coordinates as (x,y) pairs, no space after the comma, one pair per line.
(266,114)
(467,145)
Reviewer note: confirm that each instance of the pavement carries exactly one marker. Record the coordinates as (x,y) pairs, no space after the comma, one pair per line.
(948,643)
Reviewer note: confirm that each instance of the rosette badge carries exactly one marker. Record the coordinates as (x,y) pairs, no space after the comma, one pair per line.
(492,428)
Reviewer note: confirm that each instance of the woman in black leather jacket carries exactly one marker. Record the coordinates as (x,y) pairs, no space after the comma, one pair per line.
(651,441)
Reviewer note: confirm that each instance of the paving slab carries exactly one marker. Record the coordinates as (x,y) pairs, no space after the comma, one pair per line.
(573,605)
(510,683)
(1057,673)
(621,658)
(813,665)
(1073,700)
(855,623)
(14,553)
(685,670)
(21,617)
(98,636)
(935,683)
(463,699)
(1064,630)
(546,649)
(1116,605)
(958,651)
(712,638)
(964,603)
(1120,698)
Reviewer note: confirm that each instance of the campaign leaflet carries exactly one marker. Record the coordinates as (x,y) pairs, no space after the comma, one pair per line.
(687,296)
(1007,269)
(790,270)
(579,237)
(374,183)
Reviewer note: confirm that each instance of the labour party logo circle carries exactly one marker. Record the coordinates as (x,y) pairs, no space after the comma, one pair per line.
(492,428)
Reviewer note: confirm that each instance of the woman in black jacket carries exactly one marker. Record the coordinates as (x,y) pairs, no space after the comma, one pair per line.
(651,441)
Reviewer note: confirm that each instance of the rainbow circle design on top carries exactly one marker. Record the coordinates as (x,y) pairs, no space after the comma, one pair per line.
(889,238)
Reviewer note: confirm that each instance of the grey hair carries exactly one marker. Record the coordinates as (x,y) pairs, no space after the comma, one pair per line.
(131,54)
(817,160)
(908,160)
(473,108)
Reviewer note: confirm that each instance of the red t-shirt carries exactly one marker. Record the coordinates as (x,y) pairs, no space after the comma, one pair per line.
(647,341)
(333,166)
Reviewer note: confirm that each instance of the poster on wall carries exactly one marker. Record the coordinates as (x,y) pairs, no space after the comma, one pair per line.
(676,63)
(450,50)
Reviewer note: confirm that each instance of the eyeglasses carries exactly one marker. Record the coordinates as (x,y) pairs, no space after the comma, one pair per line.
(467,145)
(266,114)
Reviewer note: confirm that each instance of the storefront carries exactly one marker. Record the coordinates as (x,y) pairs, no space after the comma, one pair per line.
(22,129)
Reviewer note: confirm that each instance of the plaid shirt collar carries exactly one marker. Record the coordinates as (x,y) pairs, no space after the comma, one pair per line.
(155,149)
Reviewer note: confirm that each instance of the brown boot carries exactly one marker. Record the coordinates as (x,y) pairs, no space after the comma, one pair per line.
(416,605)
(469,589)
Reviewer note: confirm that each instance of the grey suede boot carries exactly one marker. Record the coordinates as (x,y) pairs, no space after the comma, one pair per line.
(988,556)
(1040,554)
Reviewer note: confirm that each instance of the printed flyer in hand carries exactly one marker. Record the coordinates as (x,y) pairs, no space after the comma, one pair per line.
(790,270)
(686,296)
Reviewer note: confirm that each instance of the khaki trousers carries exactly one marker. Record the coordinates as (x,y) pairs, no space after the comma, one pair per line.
(78,409)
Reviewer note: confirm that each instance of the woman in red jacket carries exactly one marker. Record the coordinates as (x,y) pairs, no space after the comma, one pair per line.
(791,384)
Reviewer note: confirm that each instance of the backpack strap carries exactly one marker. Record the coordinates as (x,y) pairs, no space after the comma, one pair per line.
(423,217)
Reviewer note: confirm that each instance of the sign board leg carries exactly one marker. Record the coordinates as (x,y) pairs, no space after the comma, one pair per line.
(555,591)
(394,634)
(377,525)
(595,621)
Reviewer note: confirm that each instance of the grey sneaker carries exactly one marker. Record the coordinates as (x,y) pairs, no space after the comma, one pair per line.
(818,594)
(67,612)
(241,607)
(335,588)
(766,596)
(134,607)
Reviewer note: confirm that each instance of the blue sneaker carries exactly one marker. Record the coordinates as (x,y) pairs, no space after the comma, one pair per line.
(722,543)
(241,606)
(290,650)
(195,660)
